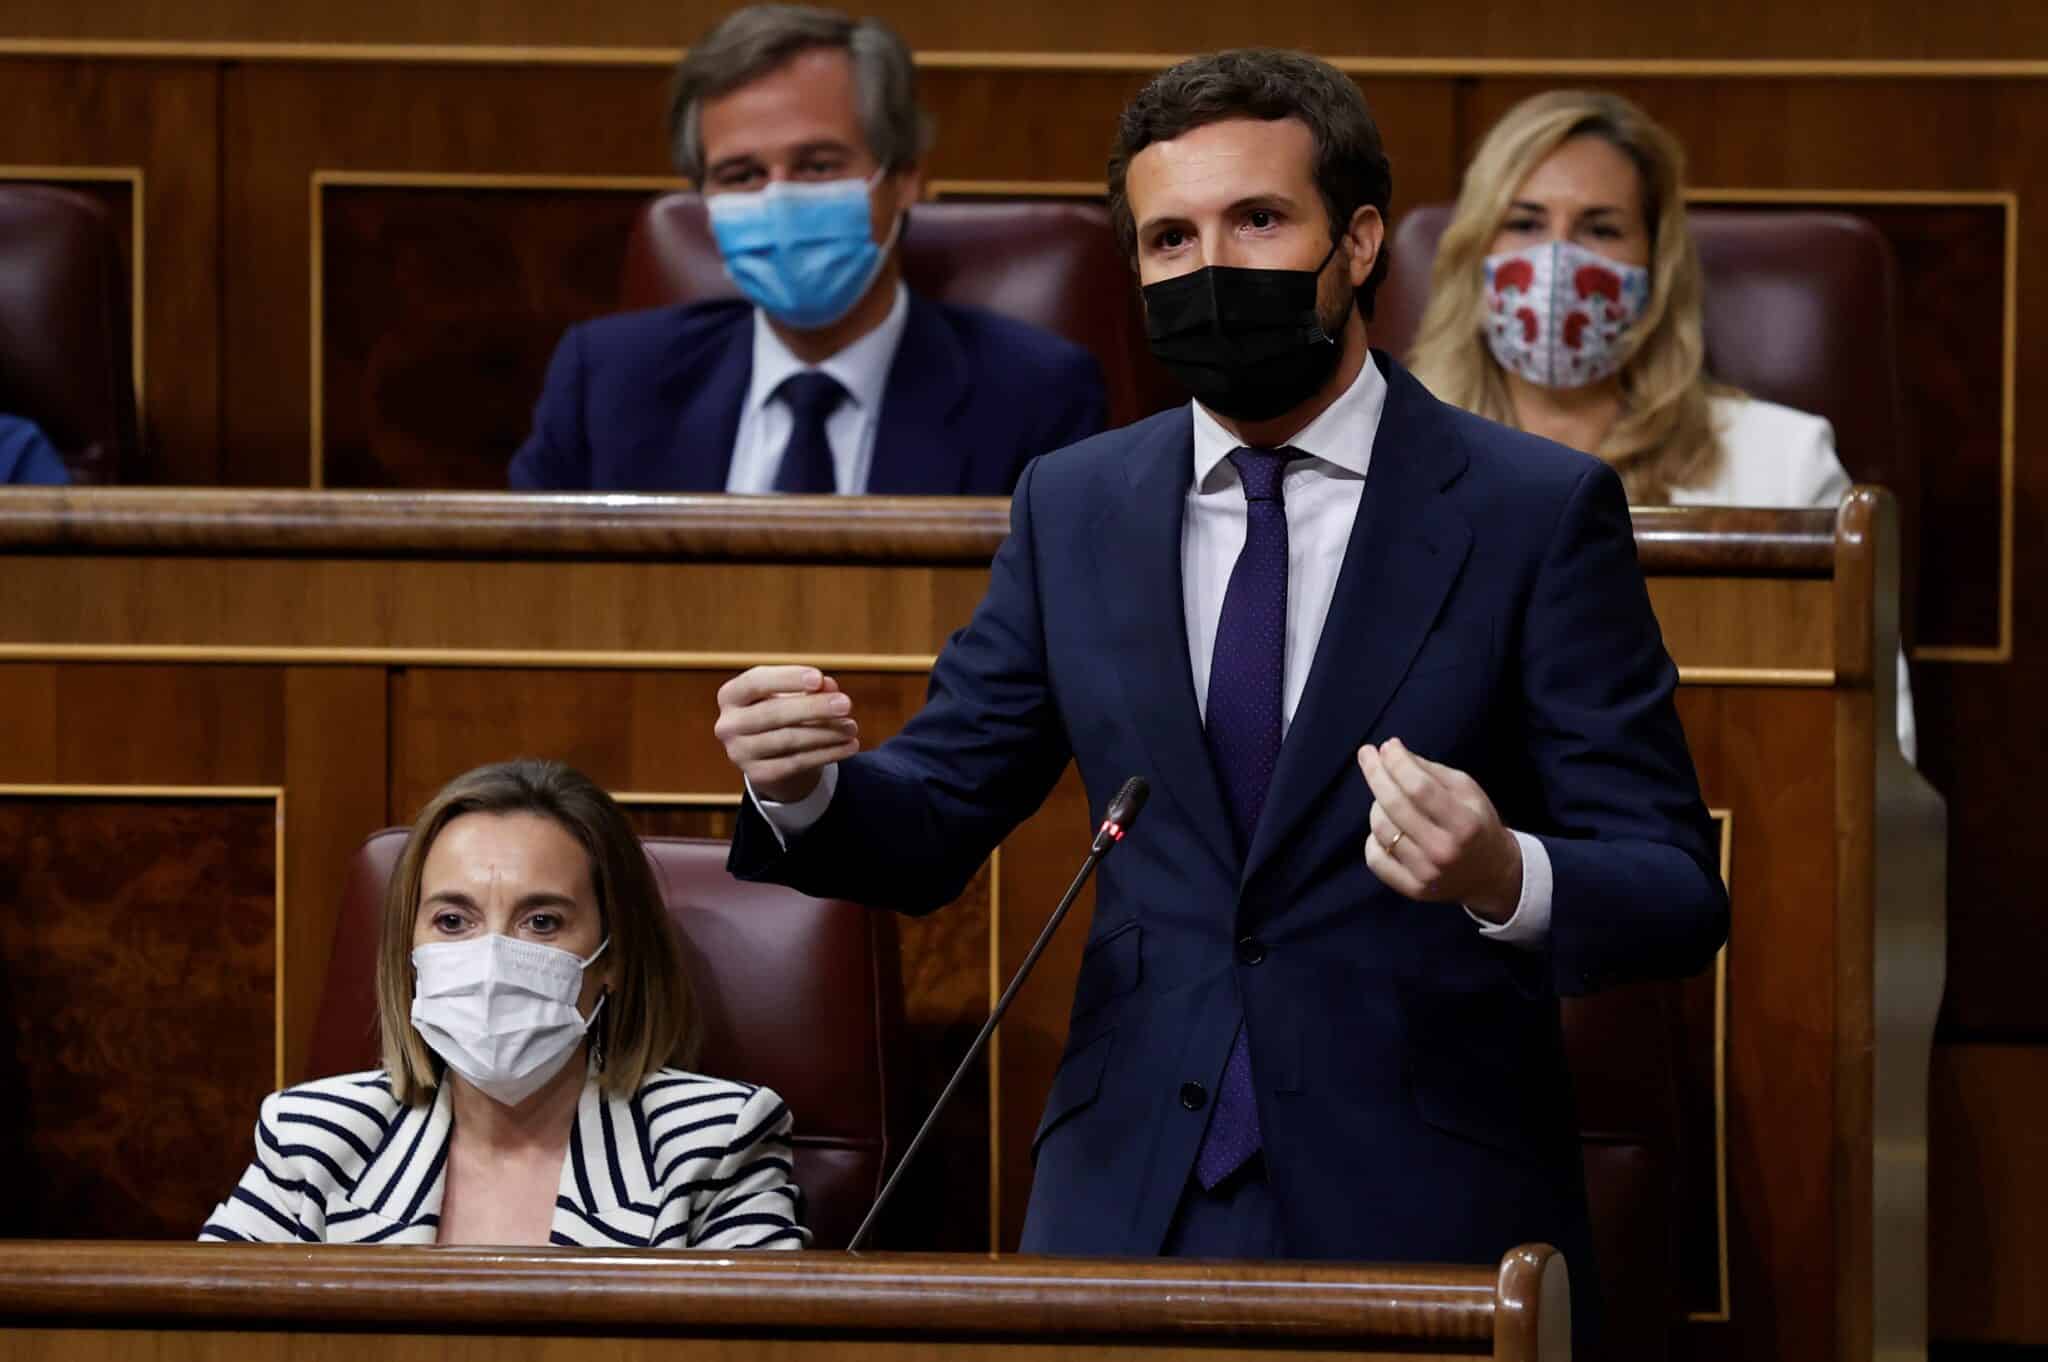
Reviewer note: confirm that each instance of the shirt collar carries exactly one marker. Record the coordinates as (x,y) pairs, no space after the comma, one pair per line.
(862,368)
(1342,436)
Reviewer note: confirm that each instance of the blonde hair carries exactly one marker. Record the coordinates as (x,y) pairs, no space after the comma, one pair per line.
(1664,437)
(649,1018)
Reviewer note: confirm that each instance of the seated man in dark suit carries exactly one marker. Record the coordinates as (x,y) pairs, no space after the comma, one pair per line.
(26,454)
(802,127)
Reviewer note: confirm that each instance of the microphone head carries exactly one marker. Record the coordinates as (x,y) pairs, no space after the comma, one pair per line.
(1129,801)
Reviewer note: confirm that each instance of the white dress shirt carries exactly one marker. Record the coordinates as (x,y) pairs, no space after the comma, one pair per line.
(1321,493)
(862,368)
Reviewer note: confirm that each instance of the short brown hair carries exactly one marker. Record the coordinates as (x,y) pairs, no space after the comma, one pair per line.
(648,1021)
(1352,170)
(749,43)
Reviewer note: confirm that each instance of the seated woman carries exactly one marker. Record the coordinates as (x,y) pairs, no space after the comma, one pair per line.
(530,994)
(1565,300)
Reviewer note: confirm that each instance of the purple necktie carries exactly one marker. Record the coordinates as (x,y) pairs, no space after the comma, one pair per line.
(806,466)
(1243,725)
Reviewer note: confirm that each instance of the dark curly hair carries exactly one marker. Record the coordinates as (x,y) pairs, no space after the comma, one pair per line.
(1351,163)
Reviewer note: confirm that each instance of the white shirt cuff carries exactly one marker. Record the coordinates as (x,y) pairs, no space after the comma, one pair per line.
(1529,928)
(790,820)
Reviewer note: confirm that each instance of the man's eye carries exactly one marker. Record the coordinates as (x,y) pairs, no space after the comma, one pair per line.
(1261,218)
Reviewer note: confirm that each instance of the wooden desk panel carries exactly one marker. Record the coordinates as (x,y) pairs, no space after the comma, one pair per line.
(402,1303)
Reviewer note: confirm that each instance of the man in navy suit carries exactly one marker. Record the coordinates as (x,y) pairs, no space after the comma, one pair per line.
(802,128)
(1393,674)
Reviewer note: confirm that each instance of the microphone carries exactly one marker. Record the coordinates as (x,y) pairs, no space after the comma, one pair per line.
(1123,811)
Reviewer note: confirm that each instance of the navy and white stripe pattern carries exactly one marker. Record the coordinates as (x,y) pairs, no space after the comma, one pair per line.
(685,1162)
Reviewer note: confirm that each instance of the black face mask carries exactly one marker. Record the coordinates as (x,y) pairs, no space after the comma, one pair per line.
(1247,343)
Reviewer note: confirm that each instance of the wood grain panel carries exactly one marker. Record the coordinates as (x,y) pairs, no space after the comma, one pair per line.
(1766,756)
(161,117)
(643,608)
(335,752)
(285,123)
(1988,1193)
(439,309)
(1751,29)
(141,725)
(137,948)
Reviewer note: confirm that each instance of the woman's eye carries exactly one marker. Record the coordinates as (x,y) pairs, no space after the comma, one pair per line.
(1172,239)
(448,922)
(543,923)
(1520,225)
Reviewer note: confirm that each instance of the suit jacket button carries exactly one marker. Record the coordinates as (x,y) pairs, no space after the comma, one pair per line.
(1251,950)
(1193,1096)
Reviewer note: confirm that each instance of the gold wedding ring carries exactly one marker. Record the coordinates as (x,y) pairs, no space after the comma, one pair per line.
(1398,835)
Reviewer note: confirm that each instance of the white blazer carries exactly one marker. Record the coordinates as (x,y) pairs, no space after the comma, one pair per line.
(1775,456)
(685,1162)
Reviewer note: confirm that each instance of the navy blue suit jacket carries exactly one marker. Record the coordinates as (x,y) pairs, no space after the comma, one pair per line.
(650,402)
(1410,1072)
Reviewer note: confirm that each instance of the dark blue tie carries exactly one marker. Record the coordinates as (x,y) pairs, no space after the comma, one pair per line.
(1246,674)
(811,396)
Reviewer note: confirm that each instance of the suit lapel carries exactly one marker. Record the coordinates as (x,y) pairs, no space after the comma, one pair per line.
(706,385)
(1138,547)
(1408,544)
(917,449)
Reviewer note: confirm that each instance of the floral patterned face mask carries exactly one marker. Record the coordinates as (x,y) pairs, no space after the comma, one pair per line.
(1559,315)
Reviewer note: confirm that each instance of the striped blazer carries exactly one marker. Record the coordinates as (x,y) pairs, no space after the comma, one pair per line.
(685,1162)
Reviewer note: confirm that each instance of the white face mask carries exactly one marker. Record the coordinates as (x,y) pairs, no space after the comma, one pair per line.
(1558,314)
(501,1012)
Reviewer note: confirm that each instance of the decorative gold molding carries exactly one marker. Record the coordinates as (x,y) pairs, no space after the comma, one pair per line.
(225,794)
(2000,652)
(1131,63)
(995,1066)
(667,799)
(461,657)
(1725,818)
(132,176)
(1756,676)
(316,273)
(1015,189)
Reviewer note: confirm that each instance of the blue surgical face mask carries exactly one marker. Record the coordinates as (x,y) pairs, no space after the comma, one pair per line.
(803,252)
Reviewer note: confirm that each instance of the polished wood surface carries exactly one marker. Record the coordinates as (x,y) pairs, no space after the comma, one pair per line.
(1517,1312)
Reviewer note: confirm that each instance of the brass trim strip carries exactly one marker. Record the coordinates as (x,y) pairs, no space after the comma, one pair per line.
(688,799)
(226,794)
(995,1051)
(316,271)
(1726,819)
(505,54)
(460,657)
(437,179)
(1024,189)
(1756,676)
(132,176)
